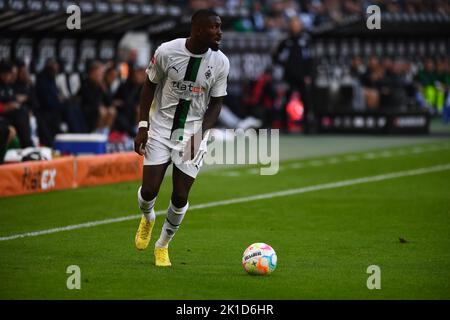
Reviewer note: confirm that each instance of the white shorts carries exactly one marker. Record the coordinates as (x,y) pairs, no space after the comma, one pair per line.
(162,150)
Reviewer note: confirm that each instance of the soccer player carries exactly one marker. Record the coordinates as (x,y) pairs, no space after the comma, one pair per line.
(180,101)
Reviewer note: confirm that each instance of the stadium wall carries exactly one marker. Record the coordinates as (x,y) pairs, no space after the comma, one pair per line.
(68,173)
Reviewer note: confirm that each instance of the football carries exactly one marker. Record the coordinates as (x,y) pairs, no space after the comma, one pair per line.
(259,259)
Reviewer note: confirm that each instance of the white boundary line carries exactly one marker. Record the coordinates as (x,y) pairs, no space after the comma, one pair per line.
(351,157)
(325,186)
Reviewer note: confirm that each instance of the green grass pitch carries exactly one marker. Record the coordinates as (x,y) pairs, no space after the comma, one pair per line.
(325,239)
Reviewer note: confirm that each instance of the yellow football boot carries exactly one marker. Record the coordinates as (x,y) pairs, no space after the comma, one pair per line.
(143,233)
(162,257)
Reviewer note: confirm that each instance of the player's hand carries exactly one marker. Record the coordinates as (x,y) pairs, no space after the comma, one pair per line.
(140,141)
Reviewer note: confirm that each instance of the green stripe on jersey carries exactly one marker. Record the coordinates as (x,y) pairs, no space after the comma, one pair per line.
(179,119)
(192,69)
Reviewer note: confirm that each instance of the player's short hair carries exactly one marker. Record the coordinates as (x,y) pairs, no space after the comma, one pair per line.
(201,15)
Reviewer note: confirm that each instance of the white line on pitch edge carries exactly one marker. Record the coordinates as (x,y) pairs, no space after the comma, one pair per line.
(348,158)
(325,186)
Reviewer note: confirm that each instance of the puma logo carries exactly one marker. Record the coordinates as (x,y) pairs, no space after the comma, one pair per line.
(175,68)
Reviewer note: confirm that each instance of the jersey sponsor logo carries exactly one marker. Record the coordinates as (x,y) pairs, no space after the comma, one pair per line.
(183,86)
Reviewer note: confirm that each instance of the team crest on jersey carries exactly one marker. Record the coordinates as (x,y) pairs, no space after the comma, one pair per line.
(208,73)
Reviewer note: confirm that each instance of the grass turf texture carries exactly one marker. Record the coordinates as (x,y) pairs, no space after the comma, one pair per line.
(325,239)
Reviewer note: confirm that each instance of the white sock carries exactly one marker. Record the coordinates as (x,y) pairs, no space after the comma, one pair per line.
(171,225)
(147,206)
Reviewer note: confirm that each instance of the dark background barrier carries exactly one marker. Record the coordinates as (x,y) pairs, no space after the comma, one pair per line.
(375,122)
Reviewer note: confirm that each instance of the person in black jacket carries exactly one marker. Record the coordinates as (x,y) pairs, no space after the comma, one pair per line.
(12,111)
(98,111)
(293,54)
(129,94)
(7,134)
(53,108)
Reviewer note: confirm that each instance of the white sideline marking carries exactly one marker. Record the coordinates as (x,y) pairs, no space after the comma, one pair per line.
(351,158)
(296,165)
(334,160)
(385,154)
(348,158)
(370,155)
(316,163)
(418,150)
(325,186)
(232,173)
(434,148)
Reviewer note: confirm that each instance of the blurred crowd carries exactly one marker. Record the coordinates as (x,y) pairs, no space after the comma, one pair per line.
(33,112)
(34,109)
(274,15)
(389,83)
(373,85)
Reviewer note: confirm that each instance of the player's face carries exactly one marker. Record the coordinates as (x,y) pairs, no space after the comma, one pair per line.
(212,34)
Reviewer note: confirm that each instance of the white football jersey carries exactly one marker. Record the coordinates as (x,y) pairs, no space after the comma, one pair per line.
(186,81)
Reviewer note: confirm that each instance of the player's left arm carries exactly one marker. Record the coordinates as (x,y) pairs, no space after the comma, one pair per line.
(218,92)
(209,119)
(212,113)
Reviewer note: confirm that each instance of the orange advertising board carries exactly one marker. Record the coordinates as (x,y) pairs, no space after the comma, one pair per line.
(36,176)
(109,168)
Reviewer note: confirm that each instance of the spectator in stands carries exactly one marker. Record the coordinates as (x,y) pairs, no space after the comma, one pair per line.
(7,134)
(112,82)
(99,114)
(275,20)
(129,94)
(199,4)
(260,100)
(426,79)
(26,95)
(257,17)
(441,84)
(24,88)
(409,87)
(394,91)
(357,67)
(334,12)
(54,113)
(293,54)
(12,111)
(446,81)
(371,81)
(357,70)
(256,20)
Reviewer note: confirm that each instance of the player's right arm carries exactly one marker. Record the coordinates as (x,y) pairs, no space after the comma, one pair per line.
(156,74)
(147,94)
